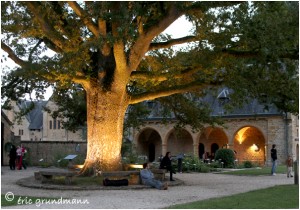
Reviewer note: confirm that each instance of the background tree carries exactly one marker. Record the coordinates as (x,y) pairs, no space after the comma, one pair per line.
(116,52)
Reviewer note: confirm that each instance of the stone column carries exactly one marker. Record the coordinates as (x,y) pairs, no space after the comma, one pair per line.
(164,149)
(196,150)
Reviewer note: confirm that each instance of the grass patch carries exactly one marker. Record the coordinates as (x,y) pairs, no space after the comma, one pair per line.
(25,200)
(257,171)
(278,197)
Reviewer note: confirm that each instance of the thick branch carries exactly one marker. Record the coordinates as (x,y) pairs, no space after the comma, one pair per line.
(142,44)
(171,42)
(172,14)
(149,76)
(50,32)
(12,55)
(80,12)
(79,78)
(167,92)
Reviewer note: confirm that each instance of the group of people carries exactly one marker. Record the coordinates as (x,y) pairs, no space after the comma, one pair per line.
(17,157)
(289,162)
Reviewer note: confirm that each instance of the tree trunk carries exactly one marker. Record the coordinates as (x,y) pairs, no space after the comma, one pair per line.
(105,119)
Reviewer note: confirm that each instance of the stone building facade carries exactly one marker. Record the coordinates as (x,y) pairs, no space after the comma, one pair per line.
(42,135)
(250,132)
(39,125)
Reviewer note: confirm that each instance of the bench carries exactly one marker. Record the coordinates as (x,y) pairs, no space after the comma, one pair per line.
(159,174)
(48,175)
(133,176)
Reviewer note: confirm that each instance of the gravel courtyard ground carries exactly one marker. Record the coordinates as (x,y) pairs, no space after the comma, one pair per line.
(197,186)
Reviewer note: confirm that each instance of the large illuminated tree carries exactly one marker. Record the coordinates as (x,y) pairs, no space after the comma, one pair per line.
(117,53)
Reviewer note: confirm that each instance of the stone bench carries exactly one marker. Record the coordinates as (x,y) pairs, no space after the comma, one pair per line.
(48,175)
(133,176)
(159,174)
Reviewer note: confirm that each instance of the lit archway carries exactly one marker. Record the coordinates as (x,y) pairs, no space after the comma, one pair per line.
(149,144)
(249,145)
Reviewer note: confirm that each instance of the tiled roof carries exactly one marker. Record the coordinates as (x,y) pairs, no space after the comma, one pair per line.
(35,116)
(252,107)
(217,102)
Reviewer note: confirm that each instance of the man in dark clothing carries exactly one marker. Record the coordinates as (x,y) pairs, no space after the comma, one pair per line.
(12,157)
(166,164)
(274,159)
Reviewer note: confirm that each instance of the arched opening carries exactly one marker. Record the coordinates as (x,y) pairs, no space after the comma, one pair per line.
(214,148)
(151,153)
(149,144)
(249,144)
(212,139)
(201,151)
(180,141)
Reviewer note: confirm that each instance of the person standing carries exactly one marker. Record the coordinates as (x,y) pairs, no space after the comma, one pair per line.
(274,159)
(289,164)
(167,164)
(148,178)
(180,157)
(19,157)
(12,157)
(24,152)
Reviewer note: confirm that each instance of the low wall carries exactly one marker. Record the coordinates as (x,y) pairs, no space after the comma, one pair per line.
(52,151)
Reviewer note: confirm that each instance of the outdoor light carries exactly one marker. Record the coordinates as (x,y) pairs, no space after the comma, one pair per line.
(135,166)
(256,147)
(78,166)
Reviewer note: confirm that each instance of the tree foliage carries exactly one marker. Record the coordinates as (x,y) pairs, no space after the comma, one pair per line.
(117,53)
(242,46)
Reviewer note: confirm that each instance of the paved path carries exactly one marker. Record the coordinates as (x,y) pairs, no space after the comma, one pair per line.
(198,186)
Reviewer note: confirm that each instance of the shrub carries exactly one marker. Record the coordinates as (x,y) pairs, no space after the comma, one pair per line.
(193,163)
(215,164)
(248,164)
(226,156)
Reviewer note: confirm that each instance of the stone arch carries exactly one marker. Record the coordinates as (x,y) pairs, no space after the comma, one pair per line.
(249,145)
(180,141)
(213,148)
(212,136)
(201,150)
(149,143)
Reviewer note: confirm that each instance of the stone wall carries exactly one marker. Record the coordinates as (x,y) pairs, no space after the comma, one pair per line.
(51,152)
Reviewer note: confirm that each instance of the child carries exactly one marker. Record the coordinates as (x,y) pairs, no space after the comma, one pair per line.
(289,164)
